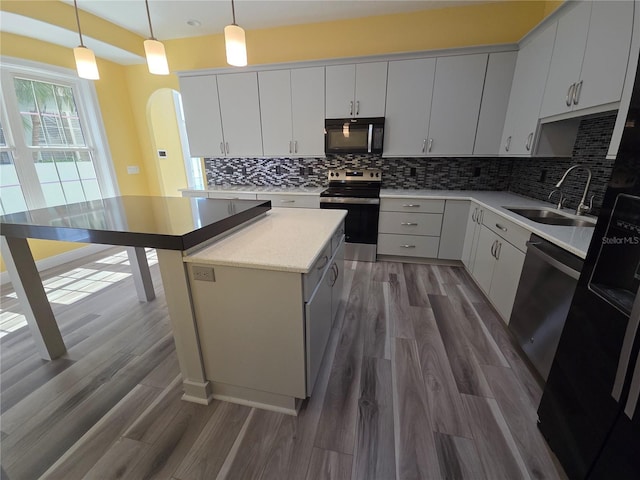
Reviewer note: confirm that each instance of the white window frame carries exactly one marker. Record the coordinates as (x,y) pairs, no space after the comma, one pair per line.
(90,119)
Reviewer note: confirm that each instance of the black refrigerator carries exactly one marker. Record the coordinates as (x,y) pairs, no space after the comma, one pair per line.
(589,413)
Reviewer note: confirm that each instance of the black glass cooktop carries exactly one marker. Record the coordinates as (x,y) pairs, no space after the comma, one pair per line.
(172,223)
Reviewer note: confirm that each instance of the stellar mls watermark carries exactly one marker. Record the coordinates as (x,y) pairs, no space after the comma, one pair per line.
(631,240)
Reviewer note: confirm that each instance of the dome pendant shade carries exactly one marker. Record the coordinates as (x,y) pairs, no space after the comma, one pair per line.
(86,63)
(236,45)
(156,57)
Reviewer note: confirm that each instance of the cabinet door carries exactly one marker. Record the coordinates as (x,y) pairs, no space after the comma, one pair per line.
(240,112)
(454,228)
(457,93)
(485,261)
(318,328)
(469,236)
(338,281)
(275,112)
(606,55)
(506,277)
(340,90)
(566,61)
(409,91)
(527,91)
(371,89)
(495,100)
(307,103)
(202,115)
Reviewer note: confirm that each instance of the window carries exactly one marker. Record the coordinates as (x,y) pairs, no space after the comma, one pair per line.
(51,147)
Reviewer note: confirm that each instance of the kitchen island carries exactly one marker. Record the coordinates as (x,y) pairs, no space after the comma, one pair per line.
(264,301)
(171,225)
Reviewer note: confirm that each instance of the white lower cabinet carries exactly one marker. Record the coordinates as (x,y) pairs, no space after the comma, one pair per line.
(497,268)
(474,220)
(263,333)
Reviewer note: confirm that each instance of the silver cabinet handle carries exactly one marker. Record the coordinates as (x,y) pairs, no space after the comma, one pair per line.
(222,148)
(493,248)
(424,145)
(357,107)
(529,141)
(324,263)
(226,144)
(507,144)
(498,250)
(408,246)
(415,205)
(430,145)
(290,146)
(287,201)
(577,92)
(504,229)
(480,216)
(570,98)
(474,215)
(295,146)
(351,108)
(409,224)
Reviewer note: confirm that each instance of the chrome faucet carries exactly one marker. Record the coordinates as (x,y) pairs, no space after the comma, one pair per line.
(582,207)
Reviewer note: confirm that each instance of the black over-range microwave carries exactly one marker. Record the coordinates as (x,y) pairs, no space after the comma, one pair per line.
(353,135)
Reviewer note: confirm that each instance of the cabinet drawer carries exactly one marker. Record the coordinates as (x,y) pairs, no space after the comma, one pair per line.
(419,205)
(512,233)
(408,245)
(311,279)
(410,223)
(233,195)
(291,201)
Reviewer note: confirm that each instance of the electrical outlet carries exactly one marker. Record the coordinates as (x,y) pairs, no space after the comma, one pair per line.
(244,170)
(412,172)
(204,274)
(543,176)
(477,171)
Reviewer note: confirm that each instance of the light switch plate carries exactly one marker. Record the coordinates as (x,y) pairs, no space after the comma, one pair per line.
(204,274)
(133,170)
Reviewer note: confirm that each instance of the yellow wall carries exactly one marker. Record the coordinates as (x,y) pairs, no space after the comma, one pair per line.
(166,136)
(123,92)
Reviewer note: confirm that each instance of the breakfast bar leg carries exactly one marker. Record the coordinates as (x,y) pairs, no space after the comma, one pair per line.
(35,305)
(141,274)
(185,332)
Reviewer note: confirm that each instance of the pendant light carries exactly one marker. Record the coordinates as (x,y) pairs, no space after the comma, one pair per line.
(154,50)
(235,42)
(85,58)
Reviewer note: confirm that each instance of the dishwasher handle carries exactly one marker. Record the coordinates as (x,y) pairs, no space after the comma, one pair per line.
(558,265)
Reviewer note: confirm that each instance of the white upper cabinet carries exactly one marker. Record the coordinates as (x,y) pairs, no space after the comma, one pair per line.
(292,111)
(589,57)
(495,100)
(202,115)
(457,94)
(409,91)
(307,105)
(356,90)
(527,91)
(240,112)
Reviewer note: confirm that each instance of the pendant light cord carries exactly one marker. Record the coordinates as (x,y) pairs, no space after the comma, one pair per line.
(146,2)
(75,3)
(233,12)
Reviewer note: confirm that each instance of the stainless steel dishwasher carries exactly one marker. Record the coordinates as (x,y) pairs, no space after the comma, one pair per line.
(547,283)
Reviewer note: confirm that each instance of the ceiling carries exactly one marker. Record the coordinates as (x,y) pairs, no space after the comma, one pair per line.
(191,18)
(170,17)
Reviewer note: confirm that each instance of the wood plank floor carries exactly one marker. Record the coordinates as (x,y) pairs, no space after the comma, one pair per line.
(421,380)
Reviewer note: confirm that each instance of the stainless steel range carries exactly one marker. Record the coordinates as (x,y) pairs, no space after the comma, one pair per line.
(357,192)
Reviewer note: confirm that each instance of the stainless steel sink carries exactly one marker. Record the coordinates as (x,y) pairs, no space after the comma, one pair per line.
(549,216)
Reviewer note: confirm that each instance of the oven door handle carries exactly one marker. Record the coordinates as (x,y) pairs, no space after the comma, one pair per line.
(351,200)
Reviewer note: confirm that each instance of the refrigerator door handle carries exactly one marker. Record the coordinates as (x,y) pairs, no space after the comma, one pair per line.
(634,392)
(625,352)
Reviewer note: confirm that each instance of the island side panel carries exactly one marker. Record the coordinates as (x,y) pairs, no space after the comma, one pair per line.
(251,326)
(185,333)
(32,297)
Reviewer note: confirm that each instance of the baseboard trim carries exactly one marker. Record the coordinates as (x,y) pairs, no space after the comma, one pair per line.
(57,260)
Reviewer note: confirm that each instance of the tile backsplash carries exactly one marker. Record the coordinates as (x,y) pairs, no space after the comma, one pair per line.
(532,177)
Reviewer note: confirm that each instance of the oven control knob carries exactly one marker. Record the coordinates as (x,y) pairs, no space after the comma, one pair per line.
(331,174)
(371,174)
(377,174)
(337,174)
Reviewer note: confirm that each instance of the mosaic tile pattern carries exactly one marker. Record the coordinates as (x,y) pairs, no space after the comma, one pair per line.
(409,173)
(536,178)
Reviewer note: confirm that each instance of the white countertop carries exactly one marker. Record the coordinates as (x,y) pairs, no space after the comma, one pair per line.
(286,239)
(256,189)
(573,239)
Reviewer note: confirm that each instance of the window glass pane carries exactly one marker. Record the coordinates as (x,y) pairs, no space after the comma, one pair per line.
(11,196)
(66,177)
(3,142)
(49,114)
